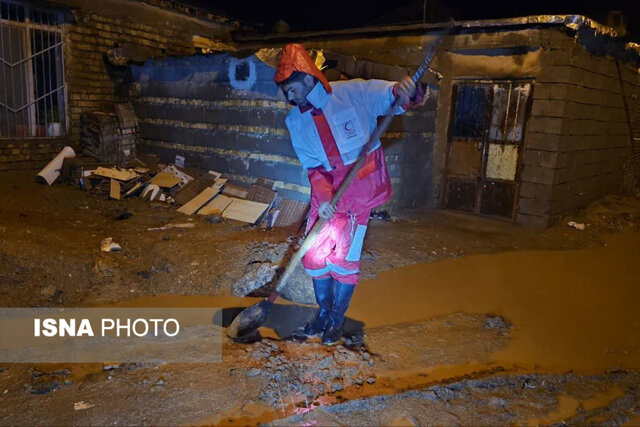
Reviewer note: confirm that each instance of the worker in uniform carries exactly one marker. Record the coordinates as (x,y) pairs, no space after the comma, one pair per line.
(329,124)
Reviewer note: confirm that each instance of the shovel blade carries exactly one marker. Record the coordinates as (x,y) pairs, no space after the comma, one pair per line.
(249,319)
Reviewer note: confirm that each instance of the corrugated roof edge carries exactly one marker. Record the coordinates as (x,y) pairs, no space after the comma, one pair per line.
(573,22)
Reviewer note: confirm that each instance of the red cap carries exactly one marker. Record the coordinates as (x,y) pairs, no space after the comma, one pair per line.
(295,58)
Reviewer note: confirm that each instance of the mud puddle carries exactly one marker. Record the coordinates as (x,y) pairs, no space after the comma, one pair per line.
(570,310)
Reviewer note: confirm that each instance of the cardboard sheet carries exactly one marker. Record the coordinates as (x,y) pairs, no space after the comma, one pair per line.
(114,190)
(165,180)
(245,210)
(122,175)
(198,201)
(216,206)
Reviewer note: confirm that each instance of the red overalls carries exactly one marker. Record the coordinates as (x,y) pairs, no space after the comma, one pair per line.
(336,249)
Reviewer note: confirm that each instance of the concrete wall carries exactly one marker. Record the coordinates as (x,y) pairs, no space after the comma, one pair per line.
(94,27)
(189,107)
(581,137)
(198,114)
(631,88)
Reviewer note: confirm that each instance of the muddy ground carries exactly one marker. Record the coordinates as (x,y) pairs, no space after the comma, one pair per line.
(450,350)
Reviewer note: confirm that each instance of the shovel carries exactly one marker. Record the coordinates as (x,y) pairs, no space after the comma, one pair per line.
(251,318)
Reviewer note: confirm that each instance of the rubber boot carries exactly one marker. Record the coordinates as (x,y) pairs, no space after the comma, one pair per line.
(342,293)
(324,298)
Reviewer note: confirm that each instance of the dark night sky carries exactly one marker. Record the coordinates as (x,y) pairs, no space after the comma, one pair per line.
(334,14)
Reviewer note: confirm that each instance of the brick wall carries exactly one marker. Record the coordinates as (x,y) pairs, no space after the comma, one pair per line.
(18,154)
(90,86)
(88,37)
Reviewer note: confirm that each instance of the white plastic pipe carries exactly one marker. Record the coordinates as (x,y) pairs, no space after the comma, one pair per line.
(51,172)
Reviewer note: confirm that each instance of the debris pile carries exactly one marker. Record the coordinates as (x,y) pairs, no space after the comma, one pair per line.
(262,265)
(46,382)
(305,375)
(120,172)
(208,194)
(264,261)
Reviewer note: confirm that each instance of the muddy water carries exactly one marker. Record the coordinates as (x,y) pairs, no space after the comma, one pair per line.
(570,310)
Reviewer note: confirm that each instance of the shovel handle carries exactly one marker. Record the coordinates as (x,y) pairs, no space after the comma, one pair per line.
(373,138)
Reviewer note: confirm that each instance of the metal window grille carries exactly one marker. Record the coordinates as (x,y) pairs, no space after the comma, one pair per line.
(32,88)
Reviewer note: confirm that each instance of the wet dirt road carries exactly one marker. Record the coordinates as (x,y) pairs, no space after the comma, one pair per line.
(570,310)
(430,281)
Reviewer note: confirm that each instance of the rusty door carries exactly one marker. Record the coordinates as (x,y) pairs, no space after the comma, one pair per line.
(485,142)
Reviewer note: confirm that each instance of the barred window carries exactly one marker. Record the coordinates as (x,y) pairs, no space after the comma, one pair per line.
(32,88)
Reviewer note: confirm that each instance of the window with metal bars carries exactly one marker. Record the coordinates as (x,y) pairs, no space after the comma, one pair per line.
(32,88)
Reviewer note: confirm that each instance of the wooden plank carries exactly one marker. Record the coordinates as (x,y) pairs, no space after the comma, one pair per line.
(173,225)
(235,191)
(214,175)
(189,191)
(114,190)
(165,180)
(216,206)
(194,187)
(245,210)
(197,202)
(220,182)
(122,175)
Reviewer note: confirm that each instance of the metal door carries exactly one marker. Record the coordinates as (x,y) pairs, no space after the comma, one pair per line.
(485,142)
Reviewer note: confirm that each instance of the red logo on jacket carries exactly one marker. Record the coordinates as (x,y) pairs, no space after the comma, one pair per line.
(349,129)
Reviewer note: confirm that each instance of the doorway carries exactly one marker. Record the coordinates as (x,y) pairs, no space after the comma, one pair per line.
(485,143)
